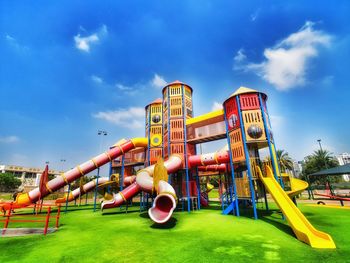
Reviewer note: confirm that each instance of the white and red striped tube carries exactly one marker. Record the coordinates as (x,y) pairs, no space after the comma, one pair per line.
(165,202)
(129,180)
(86,188)
(121,197)
(85,168)
(208,159)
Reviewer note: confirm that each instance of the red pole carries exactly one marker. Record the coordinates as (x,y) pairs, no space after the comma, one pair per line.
(7,221)
(58,215)
(47,220)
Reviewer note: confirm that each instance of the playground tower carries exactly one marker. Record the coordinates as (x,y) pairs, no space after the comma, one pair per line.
(248,131)
(177,108)
(154,124)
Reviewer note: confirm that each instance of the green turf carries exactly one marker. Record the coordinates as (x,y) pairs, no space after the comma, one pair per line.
(5,196)
(214,193)
(202,236)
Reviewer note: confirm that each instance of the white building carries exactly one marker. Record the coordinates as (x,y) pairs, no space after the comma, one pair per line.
(297,168)
(344,158)
(30,177)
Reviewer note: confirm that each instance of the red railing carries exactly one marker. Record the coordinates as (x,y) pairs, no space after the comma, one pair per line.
(33,217)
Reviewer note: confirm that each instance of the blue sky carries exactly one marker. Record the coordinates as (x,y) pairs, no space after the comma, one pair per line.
(70,68)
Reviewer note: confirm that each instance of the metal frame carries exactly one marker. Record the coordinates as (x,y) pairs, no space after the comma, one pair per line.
(149,135)
(168,123)
(121,179)
(277,177)
(247,159)
(231,166)
(96,186)
(185,149)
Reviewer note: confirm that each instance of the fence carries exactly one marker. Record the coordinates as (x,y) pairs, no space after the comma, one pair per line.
(30,215)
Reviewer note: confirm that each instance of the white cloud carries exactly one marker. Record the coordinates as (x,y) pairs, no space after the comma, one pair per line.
(123,87)
(240,56)
(216,106)
(286,64)
(158,81)
(255,15)
(9,139)
(9,38)
(97,79)
(132,118)
(84,43)
(14,43)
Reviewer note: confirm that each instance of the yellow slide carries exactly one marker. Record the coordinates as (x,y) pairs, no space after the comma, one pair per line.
(298,186)
(302,228)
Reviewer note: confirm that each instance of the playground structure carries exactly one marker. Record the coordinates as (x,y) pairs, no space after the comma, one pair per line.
(172,134)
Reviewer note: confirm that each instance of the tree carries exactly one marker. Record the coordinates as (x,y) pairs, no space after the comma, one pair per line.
(8,183)
(284,160)
(319,160)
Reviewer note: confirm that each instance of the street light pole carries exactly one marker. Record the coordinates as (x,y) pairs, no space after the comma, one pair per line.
(102,134)
(319,143)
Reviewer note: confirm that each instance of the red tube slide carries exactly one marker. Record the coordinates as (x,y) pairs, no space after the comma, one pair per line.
(81,170)
(165,202)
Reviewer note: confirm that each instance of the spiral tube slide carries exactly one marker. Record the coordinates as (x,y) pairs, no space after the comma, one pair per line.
(91,186)
(165,202)
(81,170)
(77,192)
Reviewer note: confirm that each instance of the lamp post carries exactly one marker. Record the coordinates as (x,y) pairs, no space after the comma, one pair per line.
(101,133)
(319,143)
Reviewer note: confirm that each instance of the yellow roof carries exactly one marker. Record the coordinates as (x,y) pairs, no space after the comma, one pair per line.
(243,90)
(205,116)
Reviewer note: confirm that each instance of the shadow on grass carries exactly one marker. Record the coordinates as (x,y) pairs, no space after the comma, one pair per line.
(171,223)
(264,216)
(71,209)
(119,212)
(144,215)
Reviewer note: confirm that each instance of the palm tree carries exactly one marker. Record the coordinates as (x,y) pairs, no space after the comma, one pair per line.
(319,160)
(324,159)
(284,160)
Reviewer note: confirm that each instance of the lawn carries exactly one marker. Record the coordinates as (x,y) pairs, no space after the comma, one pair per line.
(201,236)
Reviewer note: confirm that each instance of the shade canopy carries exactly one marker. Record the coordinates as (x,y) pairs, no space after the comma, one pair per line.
(339,170)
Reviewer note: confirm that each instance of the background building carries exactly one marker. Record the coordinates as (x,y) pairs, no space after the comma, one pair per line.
(344,158)
(30,177)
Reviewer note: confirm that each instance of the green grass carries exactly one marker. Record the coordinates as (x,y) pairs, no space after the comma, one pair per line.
(201,236)
(214,193)
(6,196)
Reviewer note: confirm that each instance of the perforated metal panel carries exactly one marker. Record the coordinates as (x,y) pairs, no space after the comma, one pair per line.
(155,153)
(249,101)
(176,111)
(253,125)
(243,189)
(175,90)
(237,148)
